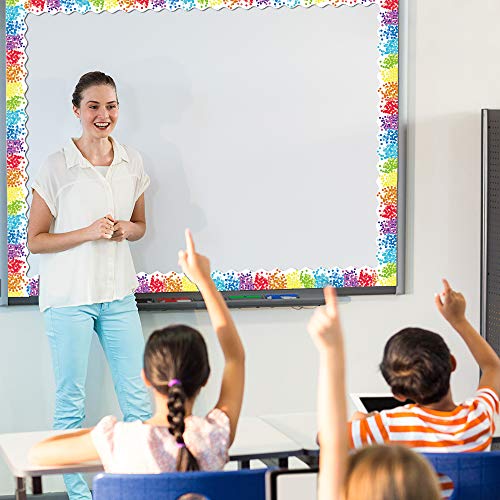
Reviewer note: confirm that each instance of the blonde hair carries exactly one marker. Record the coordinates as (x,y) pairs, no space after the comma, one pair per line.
(389,472)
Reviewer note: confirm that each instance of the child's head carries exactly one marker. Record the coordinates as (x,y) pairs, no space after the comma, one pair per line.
(389,473)
(417,365)
(176,365)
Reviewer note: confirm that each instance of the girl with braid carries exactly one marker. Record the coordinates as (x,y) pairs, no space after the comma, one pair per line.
(176,367)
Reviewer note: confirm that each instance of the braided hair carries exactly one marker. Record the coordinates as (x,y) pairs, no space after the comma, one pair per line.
(176,365)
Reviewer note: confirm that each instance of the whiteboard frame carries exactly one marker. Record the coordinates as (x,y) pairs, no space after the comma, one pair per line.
(15,270)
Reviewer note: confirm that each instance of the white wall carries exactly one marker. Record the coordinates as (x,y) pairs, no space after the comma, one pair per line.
(454,71)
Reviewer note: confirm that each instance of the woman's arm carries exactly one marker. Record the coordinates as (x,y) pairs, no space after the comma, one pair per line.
(64,449)
(326,332)
(135,228)
(41,241)
(197,268)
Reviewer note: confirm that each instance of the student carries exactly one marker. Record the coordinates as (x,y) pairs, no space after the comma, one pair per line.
(176,367)
(374,473)
(88,203)
(417,365)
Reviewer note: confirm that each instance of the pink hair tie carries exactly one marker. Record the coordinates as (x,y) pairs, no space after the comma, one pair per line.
(181,445)
(173,382)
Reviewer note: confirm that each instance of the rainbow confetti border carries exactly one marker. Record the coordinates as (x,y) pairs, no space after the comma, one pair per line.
(20,285)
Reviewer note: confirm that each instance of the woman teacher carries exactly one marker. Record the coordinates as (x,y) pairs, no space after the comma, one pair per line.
(88,203)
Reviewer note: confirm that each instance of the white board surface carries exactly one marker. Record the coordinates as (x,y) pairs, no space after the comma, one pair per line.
(258,128)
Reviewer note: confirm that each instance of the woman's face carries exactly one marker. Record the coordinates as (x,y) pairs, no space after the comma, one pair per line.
(98,111)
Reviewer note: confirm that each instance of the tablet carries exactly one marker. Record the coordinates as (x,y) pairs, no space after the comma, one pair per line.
(368,402)
(292,484)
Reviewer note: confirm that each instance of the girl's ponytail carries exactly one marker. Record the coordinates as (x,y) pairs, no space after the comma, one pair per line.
(176,365)
(176,414)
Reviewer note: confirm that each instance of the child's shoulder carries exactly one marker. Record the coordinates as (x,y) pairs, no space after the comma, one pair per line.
(484,389)
(212,428)
(217,417)
(109,426)
(214,420)
(107,422)
(484,396)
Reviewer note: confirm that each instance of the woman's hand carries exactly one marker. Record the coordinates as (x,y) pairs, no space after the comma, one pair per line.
(194,265)
(122,230)
(101,229)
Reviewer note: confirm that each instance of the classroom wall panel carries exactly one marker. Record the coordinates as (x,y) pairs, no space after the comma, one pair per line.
(490,230)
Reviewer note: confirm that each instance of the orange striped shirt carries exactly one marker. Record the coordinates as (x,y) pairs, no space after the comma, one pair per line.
(469,427)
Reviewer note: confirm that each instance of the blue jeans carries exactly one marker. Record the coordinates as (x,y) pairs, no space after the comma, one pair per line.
(70,331)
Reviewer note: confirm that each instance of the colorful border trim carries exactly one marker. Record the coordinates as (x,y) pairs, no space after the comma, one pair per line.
(20,285)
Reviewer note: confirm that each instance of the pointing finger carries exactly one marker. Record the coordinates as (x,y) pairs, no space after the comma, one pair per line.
(189,242)
(330,300)
(447,287)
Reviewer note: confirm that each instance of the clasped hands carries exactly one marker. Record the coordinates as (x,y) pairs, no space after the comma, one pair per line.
(107,228)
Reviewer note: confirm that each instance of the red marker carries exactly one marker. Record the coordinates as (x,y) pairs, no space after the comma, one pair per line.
(176,299)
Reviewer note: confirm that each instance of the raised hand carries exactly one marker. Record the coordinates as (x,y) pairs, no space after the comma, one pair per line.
(194,265)
(100,229)
(324,326)
(450,304)
(326,332)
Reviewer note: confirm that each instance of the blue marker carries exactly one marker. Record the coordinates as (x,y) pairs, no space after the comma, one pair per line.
(282,296)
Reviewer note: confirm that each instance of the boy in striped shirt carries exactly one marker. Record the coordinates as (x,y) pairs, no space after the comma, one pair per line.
(417,365)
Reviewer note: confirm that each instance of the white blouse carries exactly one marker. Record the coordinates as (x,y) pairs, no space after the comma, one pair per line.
(77,195)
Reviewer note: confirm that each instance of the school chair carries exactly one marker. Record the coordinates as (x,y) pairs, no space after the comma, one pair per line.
(475,476)
(241,484)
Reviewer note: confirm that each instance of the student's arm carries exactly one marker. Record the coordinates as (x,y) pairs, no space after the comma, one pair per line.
(135,228)
(326,332)
(41,241)
(64,449)
(197,268)
(451,305)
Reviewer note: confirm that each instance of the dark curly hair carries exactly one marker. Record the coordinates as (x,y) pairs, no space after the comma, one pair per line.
(417,365)
(176,364)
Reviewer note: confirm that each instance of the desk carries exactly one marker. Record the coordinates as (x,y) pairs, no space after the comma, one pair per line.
(301,428)
(15,448)
(255,439)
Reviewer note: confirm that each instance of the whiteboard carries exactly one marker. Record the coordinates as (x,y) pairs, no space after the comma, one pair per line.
(258,128)
(269,127)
